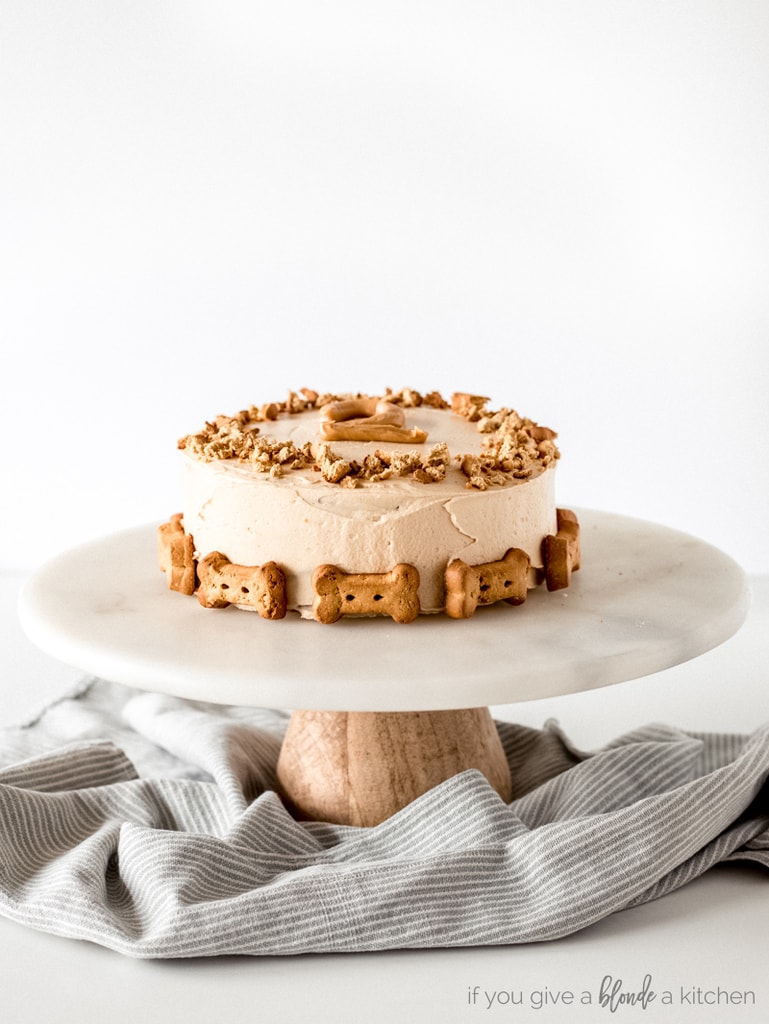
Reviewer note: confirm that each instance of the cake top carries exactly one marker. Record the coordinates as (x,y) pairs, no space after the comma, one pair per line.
(342,438)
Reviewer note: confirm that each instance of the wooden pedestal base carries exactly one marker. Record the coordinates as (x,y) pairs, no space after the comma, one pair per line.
(360,767)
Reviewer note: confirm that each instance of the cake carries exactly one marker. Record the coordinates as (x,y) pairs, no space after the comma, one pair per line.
(397,504)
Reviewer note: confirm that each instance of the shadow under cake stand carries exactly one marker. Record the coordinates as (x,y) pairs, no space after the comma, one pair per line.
(381,711)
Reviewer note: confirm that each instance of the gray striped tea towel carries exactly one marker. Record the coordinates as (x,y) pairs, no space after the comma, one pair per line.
(149,824)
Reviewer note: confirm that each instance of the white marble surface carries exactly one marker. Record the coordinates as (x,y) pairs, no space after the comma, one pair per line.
(647,597)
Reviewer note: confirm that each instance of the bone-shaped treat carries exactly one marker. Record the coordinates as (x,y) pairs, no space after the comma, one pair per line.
(561,551)
(367,419)
(378,410)
(261,587)
(338,593)
(176,555)
(468,586)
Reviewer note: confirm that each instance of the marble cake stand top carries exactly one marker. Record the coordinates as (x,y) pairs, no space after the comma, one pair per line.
(647,597)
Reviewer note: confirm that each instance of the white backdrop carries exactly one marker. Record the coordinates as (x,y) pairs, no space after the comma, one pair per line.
(564,206)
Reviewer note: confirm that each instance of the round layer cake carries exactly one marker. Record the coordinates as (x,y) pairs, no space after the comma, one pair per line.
(348,499)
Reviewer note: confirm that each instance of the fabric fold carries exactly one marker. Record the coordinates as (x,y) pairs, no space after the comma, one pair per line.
(165,838)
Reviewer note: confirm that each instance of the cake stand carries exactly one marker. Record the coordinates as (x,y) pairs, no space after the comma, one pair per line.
(384,711)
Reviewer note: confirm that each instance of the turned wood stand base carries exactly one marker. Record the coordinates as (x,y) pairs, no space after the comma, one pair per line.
(360,767)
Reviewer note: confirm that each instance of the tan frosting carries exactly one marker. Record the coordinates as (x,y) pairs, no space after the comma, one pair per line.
(300,520)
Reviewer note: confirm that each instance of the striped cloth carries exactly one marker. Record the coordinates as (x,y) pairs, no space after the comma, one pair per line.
(149,825)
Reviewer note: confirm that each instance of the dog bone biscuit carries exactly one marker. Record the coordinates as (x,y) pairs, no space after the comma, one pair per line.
(338,593)
(176,555)
(261,587)
(561,551)
(468,586)
(367,419)
(377,409)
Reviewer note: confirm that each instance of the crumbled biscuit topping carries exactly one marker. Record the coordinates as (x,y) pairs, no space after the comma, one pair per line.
(513,448)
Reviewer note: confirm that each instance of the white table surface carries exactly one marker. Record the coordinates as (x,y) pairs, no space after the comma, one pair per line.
(709,935)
